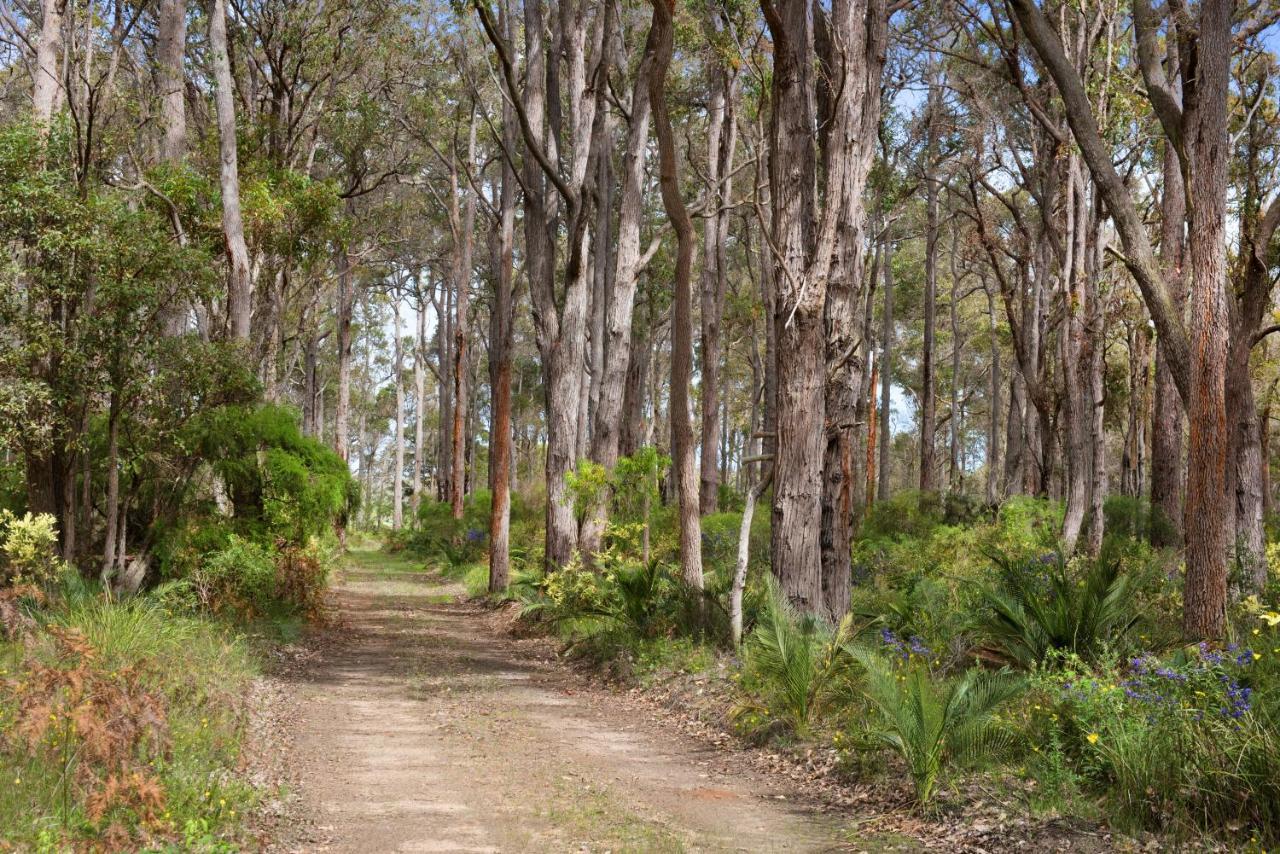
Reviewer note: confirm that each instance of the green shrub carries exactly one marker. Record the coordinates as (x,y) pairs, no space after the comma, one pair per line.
(932,722)
(123,722)
(1184,744)
(1081,606)
(797,671)
(28,549)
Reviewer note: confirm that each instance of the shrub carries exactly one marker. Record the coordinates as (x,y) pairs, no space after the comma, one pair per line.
(28,549)
(241,575)
(1082,606)
(929,721)
(797,670)
(119,724)
(1177,744)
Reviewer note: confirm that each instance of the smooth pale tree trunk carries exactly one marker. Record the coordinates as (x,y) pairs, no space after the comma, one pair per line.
(682,439)
(46,90)
(886,365)
(419,406)
(171,47)
(994,460)
(342,407)
(619,353)
(560,318)
(461,335)
(444,362)
(397,477)
(928,355)
(721,141)
(1073,355)
(239,285)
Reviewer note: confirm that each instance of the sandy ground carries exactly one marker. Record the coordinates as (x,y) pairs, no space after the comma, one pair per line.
(423,729)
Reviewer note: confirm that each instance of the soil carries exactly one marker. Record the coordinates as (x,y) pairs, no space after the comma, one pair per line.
(419,727)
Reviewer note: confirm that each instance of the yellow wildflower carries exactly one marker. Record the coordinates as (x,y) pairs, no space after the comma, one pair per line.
(1092,738)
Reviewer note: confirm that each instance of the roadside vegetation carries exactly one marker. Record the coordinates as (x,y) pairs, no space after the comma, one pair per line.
(974,652)
(123,714)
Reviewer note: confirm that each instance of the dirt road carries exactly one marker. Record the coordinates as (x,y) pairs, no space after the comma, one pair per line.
(423,729)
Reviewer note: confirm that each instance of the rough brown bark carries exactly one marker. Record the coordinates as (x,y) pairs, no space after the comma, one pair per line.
(501,333)
(805,239)
(463,237)
(1167,420)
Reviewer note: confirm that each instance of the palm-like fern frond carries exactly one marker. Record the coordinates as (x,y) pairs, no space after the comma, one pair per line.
(801,665)
(1041,606)
(931,723)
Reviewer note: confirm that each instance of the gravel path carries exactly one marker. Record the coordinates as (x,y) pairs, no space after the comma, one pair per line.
(424,729)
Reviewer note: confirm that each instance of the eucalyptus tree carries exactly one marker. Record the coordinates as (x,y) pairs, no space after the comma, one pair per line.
(833,63)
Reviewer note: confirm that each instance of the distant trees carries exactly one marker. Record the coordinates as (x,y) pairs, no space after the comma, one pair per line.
(1074,279)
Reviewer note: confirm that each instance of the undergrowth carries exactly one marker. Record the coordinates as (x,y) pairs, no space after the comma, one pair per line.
(121,724)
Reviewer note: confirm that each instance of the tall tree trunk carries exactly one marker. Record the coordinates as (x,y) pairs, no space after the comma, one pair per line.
(445,364)
(994,461)
(632,431)
(112,511)
(47,85)
(682,438)
(851,49)
(461,333)
(1205,589)
(886,364)
(721,140)
(239,286)
(623,367)
(171,47)
(1077,410)
(955,473)
(397,477)
(419,406)
(560,320)
(1167,421)
(346,305)
(807,226)
(501,332)
(928,355)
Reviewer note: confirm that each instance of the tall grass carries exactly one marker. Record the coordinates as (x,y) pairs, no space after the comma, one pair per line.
(122,726)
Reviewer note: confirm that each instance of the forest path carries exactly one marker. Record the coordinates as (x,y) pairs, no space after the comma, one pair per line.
(425,729)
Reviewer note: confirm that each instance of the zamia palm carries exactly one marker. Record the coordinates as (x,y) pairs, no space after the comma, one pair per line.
(932,723)
(1040,606)
(801,666)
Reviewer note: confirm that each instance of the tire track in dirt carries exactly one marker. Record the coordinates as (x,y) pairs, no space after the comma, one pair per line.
(423,731)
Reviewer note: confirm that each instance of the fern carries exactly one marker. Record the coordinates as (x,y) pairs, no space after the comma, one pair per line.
(799,667)
(934,723)
(1032,612)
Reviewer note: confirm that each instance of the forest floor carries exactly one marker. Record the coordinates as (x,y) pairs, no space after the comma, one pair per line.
(418,725)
